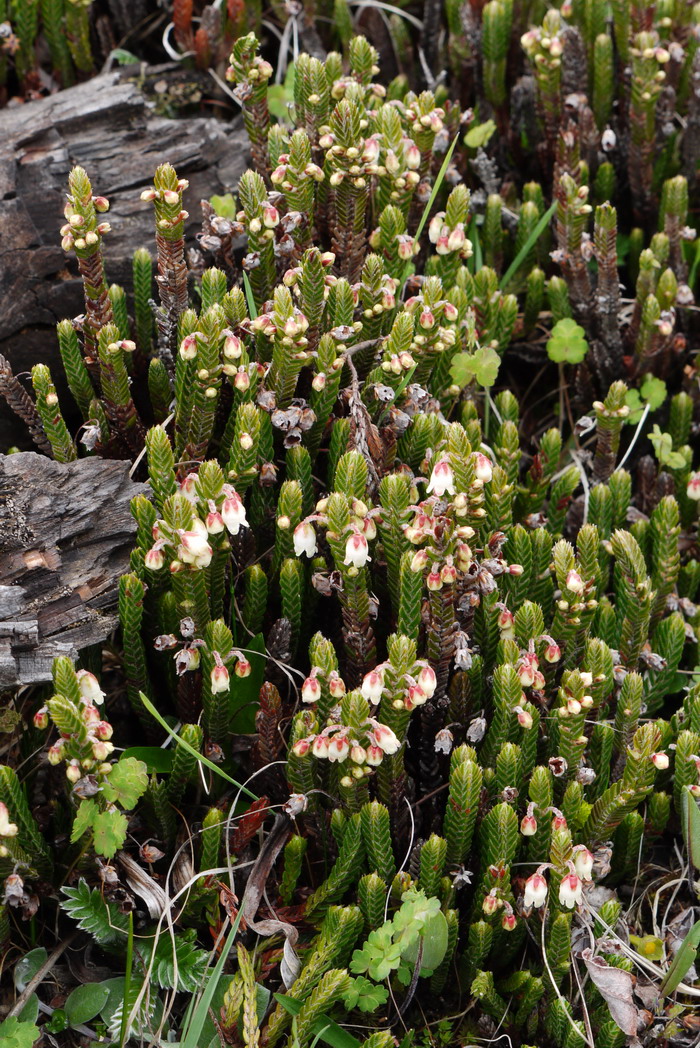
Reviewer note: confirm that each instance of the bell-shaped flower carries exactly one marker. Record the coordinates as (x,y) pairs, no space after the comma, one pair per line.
(233,511)
(571,891)
(90,690)
(373,686)
(442,479)
(356,550)
(305,540)
(385,738)
(535,891)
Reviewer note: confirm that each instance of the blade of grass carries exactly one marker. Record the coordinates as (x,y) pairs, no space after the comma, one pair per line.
(195,1025)
(685,956)
(190,749)
(252,308)
(477,257)
(436,188)
(127,982)
(527,246)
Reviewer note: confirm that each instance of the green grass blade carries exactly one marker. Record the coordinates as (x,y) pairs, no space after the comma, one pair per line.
(190,749)
(252,309)
(436,188)
(527,246)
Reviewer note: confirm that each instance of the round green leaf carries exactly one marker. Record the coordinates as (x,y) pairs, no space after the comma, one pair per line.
(85,1002)
(434,937)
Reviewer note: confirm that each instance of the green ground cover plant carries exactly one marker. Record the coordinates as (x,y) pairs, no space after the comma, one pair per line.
(399,739)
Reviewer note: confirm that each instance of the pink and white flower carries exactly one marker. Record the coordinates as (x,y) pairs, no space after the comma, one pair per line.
(356,550)
(571,891)
(305,540)
(535,891)
(233,511)
(442,479)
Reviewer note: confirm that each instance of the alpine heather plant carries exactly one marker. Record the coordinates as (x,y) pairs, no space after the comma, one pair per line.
(427,676)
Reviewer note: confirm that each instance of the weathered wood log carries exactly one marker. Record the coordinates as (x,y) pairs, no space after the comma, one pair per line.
(65,537)
(111,127)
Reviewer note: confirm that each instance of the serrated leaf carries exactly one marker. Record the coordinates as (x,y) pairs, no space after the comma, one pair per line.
(191,961)
(84,819)
(101,919)
(109,829)
(127,781)
(85,1002)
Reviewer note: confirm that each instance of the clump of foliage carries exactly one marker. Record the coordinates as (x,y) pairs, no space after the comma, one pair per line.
(418,692)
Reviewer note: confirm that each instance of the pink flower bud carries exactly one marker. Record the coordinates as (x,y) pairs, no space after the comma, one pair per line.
(271,217)
(528,825)
(552,652)
(188,347)
(318,382)
(491,904)
(405,247)
(7,828)
(427,319)
(243,668)
(220,680)
(693,489)
(574,582)
(101,751)
(154,559)
(103,731)
(358,754)
(412,156)
(55,753)
(433,581)
(41,718)
(660,761)
(427,681)
(310,690)
(101,203)
(336,685)
(73,772)
(91,715)
(508,922)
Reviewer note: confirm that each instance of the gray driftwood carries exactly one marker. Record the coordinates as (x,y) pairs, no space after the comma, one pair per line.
(108,125)
(65,537)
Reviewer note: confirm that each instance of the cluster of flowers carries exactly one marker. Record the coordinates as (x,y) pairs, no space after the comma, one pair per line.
(365,748)
(448,240)
(88,751)
(74,233)
(191,546)
(362,529)
(171,197)
(580,869)
(240,374)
